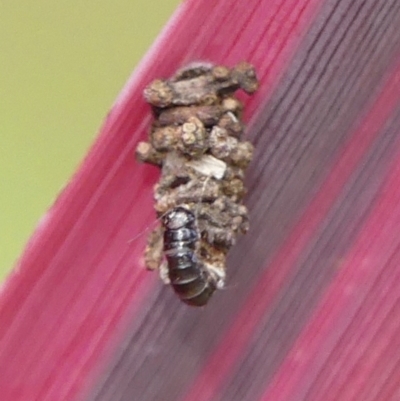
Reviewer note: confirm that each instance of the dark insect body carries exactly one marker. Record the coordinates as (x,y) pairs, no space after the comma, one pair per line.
(188,276)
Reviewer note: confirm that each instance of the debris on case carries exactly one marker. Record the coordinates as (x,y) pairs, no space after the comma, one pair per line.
(196,140)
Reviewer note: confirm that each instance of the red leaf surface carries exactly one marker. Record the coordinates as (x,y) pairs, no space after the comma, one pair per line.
(311,307)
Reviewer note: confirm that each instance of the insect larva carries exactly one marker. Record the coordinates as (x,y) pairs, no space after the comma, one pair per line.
(188,276)
(196,141)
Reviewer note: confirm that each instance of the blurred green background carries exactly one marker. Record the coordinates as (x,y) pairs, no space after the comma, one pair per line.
(62,64)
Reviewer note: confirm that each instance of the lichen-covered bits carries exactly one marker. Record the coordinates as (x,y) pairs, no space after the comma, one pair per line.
(196,140)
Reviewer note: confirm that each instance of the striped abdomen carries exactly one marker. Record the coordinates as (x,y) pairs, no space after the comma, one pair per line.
(188,275)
